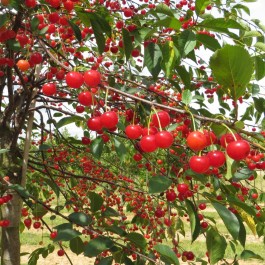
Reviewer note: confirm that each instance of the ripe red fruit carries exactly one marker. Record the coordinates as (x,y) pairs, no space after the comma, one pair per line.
(128,12)
(171,195)
(238,150)
(254,196)
(217,158)
(109,119)
(85,140)
(36,58)
(80,109)
(161,116)
(199,164)
(53,234)
(85,98)
(182,187)
(210,137)
(92,78)
(94,124)
(164,139)
(27,222)
(133,131)
(49,89)
(196,141)
(74,79)
(37,224)
(204,225)
(159,213)
(137,157)
(228,138)
(148,143)
(202,206)
(60,252)
(149,131)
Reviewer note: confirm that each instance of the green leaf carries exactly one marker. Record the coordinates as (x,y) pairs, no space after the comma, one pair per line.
(80,218)
(96,148)
(13,45)
(137,239)
(248,254)
(186,97)
(200,6)
(44,147)
(153,58)
(3,19)
(34,23)
(66,234)
(232,67)
(251,34)
(110,212)
(116,229)
(2,151)
(106,261)
(184,75)
(194,220)
(96,201)
(220,24)
(76,30)
(100,39)
(20,190)
(76,245)
(67,120)
(259,67)
(259,104)
(243,173)
(39,210)
(120,149)
(216,245)
(97,246)
(243,7)
(164,9)
(158,184)
(186,42)
(167,254)
(230,220)
(260,46)
(127,43)
(170,54)
(208,41)
(169,22)
(233,200)
(242,233)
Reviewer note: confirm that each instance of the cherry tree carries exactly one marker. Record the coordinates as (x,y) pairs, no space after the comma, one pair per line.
(167,97)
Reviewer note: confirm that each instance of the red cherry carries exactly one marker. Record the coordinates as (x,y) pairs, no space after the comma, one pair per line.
(94,124)
(60,252)
(149,131)
(30,3)
(36,58)
(164,139)
(37,224)
(80,109)
(202,206)
(171,195)
(182,187)
(199,164)
(228,138)
(137,157)
(92,78)
(49,89)
(128,12)
(204,225)
(159,213)
(217,158)
(74,79)
(54,3)
(163,117)
(133,131)
(148,143)
(210,137)
(238,150)
(85,140)
(196,141)
(53,234)
(109,119)
(85,98)
(68,5)
(254,196)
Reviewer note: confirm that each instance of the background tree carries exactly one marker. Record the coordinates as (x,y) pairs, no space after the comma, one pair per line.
(167,97)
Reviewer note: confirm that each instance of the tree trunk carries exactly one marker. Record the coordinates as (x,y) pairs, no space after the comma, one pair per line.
(10,235)
(11,167)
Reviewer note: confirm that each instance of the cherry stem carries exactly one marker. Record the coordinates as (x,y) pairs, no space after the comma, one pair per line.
(159,123)
(229,130)
(106,99)
(193,120)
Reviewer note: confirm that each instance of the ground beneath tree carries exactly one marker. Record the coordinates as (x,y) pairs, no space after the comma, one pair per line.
(54,259)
